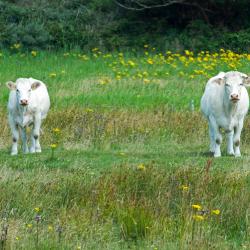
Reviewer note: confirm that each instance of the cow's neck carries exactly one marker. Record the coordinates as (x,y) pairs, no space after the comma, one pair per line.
(22,109)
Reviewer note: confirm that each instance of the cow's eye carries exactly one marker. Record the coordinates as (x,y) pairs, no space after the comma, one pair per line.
(228,85)
(17,90)
(241,84)
(29,90)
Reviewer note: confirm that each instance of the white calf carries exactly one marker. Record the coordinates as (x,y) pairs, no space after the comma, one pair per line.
(28,105)
(225,103)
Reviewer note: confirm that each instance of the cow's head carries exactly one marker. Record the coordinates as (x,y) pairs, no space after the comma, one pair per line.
(233,82)
(23,88)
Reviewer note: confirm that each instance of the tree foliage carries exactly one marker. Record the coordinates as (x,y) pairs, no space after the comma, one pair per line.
(111,24)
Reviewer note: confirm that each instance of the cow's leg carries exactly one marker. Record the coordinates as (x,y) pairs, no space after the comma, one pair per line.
(230,148)
(15,135)
(212,139)
(35,144)
(24,140)
(236,139)
(217,136)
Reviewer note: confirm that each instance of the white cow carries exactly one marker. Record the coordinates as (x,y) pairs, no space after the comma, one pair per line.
(28,105)
(225,103)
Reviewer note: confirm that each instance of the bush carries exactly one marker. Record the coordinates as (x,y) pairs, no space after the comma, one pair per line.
(87,24)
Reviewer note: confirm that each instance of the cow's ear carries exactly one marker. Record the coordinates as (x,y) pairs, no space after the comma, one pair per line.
(11,85)
(35,85)
(220,80)
(246,80)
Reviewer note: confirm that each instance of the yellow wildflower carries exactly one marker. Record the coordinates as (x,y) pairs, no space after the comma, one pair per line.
(216,211)
(146,80)
(104,81)
(37,209)
(34,53)
(88,110)
(29,225)
(56,130)
(146,46)
(52,75)
(150,61)
(196,206)
(17,45)
(17,238)
(131,63)
(118,77)
(85,58)
(50,228)
(184,187)
(141,166)
(198,217)
(53,146)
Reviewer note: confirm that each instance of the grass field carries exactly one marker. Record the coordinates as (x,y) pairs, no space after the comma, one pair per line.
(125,161)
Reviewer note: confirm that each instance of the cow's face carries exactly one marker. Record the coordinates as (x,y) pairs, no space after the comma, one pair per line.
(233,87)
(23,88)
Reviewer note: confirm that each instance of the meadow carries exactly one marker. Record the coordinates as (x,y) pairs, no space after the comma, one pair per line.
(125,162)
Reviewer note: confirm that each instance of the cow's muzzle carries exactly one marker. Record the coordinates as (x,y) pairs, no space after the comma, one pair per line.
(234,98)
(24,102)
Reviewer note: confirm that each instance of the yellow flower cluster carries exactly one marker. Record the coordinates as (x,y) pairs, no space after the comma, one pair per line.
(150,66)
(201,213)
(188,64)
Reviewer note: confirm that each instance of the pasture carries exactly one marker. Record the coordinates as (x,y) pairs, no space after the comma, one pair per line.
(125,161)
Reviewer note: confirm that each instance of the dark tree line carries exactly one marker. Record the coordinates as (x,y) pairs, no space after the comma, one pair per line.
(112,24)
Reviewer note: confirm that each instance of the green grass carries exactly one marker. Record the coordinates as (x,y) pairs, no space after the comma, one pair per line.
(91,192)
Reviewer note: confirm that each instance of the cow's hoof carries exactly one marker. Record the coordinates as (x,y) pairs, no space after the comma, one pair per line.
(217,155)
(26,151)
(38,150)
(13,153)
(231,153)
(237,155)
